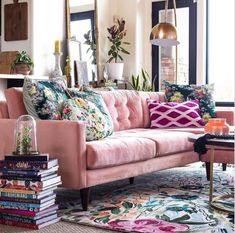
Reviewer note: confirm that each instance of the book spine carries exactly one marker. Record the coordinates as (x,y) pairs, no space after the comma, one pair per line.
(5,204)
(18,195)
(19,212)
(22,200)
(22,208)
(19,178)
(9,190)
(18,172)
(25,165)
(43,157)
(17,219)
(19,224)
(21,184)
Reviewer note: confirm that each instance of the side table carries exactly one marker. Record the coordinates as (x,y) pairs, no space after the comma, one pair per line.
(212,144)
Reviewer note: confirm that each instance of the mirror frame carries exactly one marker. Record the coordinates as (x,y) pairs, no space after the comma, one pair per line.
(68,32)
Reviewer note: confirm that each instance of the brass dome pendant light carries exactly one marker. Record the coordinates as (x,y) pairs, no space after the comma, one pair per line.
(165,34)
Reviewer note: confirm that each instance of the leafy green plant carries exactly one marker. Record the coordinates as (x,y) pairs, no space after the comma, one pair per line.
(142,82)
(117,33)
(24,58)
(92,46)
(24,141)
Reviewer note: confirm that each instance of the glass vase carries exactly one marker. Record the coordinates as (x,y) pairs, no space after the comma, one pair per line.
(217,126)
(25,136)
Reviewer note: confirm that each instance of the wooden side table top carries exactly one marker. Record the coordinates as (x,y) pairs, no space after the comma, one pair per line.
(214,142)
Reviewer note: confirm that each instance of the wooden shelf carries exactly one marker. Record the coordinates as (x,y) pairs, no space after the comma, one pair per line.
(21,76)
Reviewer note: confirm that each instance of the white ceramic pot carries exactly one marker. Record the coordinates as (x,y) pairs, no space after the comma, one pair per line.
(114,70)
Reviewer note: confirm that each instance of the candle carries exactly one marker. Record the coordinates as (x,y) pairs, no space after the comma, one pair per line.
(57,46)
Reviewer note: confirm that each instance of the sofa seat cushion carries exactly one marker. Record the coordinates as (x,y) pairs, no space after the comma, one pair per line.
(117,150)
(166,141)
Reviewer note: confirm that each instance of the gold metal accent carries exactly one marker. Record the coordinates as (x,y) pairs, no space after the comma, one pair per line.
(165,34)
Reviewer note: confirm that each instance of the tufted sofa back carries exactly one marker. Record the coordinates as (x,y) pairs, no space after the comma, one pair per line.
(129,109)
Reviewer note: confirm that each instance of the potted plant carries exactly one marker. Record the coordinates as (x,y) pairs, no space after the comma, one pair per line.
(22,63)
(114,65)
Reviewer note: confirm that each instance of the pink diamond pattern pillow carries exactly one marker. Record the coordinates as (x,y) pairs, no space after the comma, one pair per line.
(172,114)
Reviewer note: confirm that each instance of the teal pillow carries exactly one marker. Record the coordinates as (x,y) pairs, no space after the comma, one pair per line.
(97,100)
(202,93)
(79,109)
(43,98)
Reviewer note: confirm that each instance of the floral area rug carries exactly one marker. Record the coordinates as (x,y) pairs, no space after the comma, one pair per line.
(174,200)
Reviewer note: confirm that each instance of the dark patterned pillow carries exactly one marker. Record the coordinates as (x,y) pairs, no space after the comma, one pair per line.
(43,98)
(203,93)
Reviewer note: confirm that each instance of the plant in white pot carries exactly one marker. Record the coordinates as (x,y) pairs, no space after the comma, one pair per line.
(114,65)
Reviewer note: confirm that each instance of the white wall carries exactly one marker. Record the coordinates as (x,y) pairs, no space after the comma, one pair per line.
(138,16)
(49,25)
(46,23)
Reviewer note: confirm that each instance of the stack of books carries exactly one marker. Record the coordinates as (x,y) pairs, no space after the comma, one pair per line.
(27,185)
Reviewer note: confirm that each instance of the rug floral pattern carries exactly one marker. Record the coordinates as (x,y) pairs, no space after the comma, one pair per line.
(175,200)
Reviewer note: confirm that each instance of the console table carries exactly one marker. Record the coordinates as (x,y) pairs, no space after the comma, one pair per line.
(14,80)
(212,145)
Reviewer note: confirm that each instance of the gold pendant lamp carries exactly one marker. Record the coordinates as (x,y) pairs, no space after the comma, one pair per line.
(165,34)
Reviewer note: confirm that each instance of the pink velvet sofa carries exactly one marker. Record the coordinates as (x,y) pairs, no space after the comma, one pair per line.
(132,150)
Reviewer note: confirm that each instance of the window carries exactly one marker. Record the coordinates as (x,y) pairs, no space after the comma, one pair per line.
(163,58)
(220,49)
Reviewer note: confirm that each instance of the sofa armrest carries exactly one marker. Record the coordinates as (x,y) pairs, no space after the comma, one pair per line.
(64,140)
(227,114)
(3,110)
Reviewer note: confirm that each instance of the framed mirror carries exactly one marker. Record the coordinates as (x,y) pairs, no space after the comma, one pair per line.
(82,31)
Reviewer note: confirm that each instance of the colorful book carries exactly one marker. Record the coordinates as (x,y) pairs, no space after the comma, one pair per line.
(34,172)
(32,226)
(53,186)
(41,157)
(27,184)
(28,196)
(30,213)
(29,165)
(26,206)
(32,178)
(26,200)
(18,218)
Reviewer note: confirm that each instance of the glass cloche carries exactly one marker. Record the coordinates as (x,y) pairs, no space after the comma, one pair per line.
(25,136)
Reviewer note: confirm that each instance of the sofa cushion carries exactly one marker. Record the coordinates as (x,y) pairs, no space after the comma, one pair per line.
(119,149)
(15,104)
(3,109)
(125,109)
(172,114)
(136,145)
(166,141)
(79,109)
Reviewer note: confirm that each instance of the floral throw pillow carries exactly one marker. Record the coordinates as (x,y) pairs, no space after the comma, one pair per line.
(79,109)
(97,100)
(203,93)
(43,98)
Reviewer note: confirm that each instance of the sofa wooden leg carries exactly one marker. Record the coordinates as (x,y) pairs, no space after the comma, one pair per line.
(85,194)
(131,180)
(224,165)
(207,170)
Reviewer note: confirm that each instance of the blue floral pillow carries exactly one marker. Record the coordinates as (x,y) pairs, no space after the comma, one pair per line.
(203,93)
(43,98)
(97,100)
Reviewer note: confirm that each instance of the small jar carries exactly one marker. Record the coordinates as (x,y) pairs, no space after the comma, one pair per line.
(217,126)
(25,136)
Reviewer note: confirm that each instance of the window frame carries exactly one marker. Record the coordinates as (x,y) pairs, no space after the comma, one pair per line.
(192,5)
(85,15)
(217,103)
